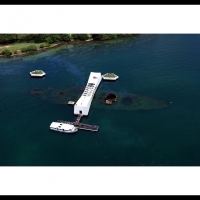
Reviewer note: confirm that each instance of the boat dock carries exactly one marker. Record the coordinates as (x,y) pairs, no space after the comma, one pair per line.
(78,119)
(79,125)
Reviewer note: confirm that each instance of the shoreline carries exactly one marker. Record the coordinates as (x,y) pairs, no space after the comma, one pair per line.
(32,53)
(38,51)
(46,48)
(55,45)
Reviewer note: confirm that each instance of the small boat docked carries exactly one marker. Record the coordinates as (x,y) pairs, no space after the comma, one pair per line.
(63,127)
(110,77)
(37,73)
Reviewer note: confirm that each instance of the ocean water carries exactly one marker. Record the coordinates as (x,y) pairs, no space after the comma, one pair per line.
(161,66)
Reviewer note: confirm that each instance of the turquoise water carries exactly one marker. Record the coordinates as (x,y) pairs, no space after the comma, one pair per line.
(161,66)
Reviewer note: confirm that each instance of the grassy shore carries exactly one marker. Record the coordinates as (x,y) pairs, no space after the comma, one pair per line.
(16,48)
(20,49)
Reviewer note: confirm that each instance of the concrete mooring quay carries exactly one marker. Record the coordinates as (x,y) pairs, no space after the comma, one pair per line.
(79,125)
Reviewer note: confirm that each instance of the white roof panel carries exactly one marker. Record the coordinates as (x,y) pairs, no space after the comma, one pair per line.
(61,125)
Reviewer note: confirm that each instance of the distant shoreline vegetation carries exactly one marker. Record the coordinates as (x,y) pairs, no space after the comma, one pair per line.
(12,45)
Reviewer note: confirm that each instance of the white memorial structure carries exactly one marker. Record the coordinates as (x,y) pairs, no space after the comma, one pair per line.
(82,106)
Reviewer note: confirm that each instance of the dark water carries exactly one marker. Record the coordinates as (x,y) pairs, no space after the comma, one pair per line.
(163,66)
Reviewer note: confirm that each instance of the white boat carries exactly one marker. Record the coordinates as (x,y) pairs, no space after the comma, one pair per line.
(37,73)
(82,106)
(62,127)
(110,77)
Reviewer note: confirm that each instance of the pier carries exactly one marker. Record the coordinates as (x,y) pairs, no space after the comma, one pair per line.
(77,122)
(79,125)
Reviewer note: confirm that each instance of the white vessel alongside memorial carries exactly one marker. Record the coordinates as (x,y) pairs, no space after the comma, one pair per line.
(63,127)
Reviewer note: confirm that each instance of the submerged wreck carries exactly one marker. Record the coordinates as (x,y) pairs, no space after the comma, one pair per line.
(121,101)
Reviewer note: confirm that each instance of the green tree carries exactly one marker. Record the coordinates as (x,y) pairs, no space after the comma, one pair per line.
(53,38)
(38,38)
(42,46)
(8,38)
(65,37)
(6,53)
(30,48)
(80,36)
